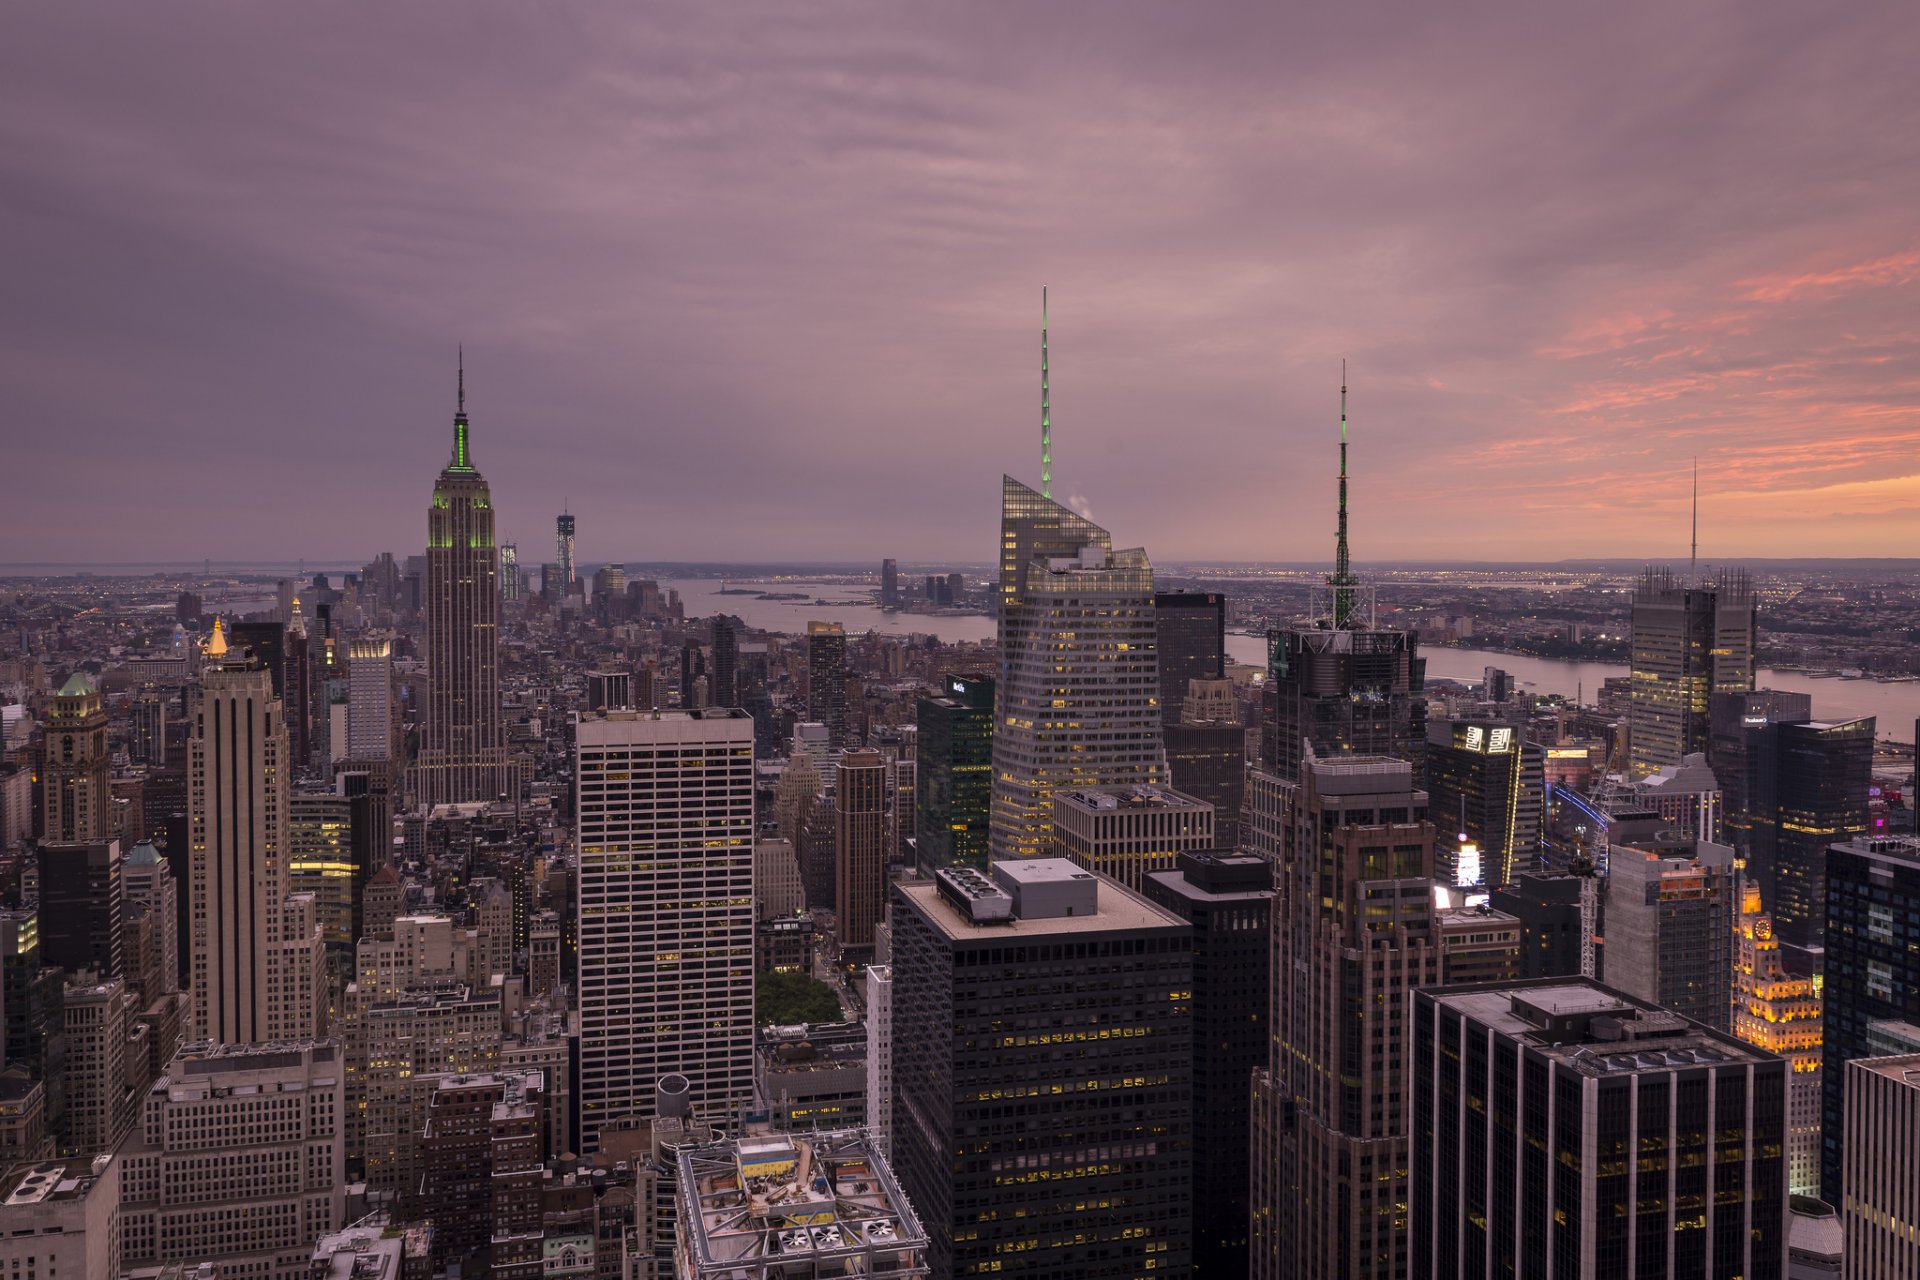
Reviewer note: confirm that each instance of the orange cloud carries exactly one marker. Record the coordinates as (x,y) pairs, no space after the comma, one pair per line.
(1895,269)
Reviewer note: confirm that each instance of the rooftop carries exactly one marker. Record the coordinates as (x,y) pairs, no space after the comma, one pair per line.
(52,1181)
(1130,798)
(774,1205)
(1116,908)
(1903,1069)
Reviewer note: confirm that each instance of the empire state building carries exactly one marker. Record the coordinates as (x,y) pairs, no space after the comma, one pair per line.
(463,751)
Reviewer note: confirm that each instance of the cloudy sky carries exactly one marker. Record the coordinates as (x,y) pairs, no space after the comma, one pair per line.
(763,281)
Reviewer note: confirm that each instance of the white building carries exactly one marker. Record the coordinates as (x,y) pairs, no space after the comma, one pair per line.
(1079,692)
(60,1220)
(238,1161)
(665,905)
(880,1056)
(370,698)
(258,972)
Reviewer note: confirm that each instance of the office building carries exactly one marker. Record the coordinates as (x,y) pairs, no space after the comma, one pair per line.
(478,1147)
(777,889)
(880,1056)
(954,773)
(1126,832)
(1486,792)
(1780,1012)
(83,906)
(811,1076)
(827,680)
(724,688)
(257,967)
(741,1215)
(59,1219)
(1564,1128)
(1686,796)
(1207,754)
(1079,689)
(147,730)
(370,718)
(1688,643)
(237,1160)
(510,581)
(1190,630)
(100,1079)
(1227,899)
(889,584)
(1477,944)
(611,691)
(1883,1197)
(1353,937)
(1743,754)
(665,910)
(860,852)
(1821,780)
(1671,922)
(569,568)
(75,794)
(1043,1030)
(320,861)
(281,646)
(1557,924)
(1872,973)
(462,745)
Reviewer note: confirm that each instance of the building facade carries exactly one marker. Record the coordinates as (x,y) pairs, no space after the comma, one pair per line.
(861,852)
(954,773)
(1688,643)
(1129,832)
(1190,628)
(1883,1197)
(1671,924)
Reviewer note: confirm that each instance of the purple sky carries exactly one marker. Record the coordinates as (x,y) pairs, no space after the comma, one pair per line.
(747,282)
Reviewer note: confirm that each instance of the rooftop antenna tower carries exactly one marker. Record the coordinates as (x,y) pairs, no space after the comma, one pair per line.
(1342,580)
(460,462)
(1046,416)
(1693,552)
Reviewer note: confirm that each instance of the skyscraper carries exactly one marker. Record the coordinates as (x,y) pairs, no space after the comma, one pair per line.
(75,794)
(83,906)
(860,852)
(1079,686)
(1689,643)
(1872,973)
(1671,923)
(1354,937)
(665,902)
(1190,628)
(954,774)
(1486,791)
(370,699)
(1207,754)
(463,749)
(1820,784)
(1562,1128)
(569,569)
(889,584)
(1780,1012)
(1344,685)
(509,574)
(1883,1197)
(1042,1062)
(258,974)
(724,690)
(827,679)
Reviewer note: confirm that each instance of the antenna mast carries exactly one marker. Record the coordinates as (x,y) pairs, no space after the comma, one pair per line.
(1342,580)
(1693,552)
(1046,416)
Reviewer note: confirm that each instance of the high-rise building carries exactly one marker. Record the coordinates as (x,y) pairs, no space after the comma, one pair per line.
(1227,899)
(1883,1197)
(1190,629)
(724,688)
(1042,1030)
(463,748)
(827,679)
(610,691)
(237,1161)
(1207,754)
(1353,937)
(1780,1012)
(1742,754)
(1485,790)
(320,861)
(510,582)
(1127,832)
(75,792)
(1872,973)
(889,584)
(258,974)
(954,773)
(1820,785)
(860,852)
(1561,1128)
(665,908)
(83,906)
(1079,686)
(147,729)
(61,1218)
(1345,685)
(370,699)
(1548,905)
(1689,643)
(1671,923)
(880,1055)
(569,568)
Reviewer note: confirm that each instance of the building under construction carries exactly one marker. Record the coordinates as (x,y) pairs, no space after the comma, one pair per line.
(788,1207)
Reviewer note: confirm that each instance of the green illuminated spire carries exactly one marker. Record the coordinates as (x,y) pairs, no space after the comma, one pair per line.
(1046,417)
(1342,579)
(460,460)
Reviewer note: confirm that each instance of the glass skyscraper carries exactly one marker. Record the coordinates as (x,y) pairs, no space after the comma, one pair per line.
(1689,643)
(954,777)
(1079,690)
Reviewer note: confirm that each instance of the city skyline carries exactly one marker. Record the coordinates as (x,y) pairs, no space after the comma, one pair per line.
(657,239)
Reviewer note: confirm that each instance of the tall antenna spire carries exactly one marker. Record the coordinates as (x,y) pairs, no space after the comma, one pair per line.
(460,461)
(1046,413)
(1342,580)
(1693,553)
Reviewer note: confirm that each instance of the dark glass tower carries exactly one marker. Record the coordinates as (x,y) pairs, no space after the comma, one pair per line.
(1741,751)
(827,679)
(1689,643)
(1485,791)
(1191,627)
(725,678)
(954,773)
(1821,778)
(1872,970)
